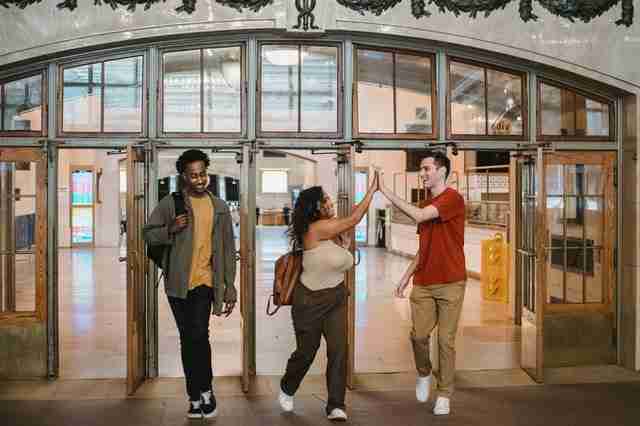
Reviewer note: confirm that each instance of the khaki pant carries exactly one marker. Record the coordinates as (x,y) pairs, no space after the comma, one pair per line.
(441,305)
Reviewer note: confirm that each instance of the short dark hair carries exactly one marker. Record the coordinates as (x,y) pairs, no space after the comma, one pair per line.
(190,156)
(440,159)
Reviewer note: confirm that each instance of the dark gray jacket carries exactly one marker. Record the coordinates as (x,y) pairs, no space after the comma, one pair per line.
(223,256)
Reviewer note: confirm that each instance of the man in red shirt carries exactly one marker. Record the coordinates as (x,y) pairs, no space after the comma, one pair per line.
(439,276)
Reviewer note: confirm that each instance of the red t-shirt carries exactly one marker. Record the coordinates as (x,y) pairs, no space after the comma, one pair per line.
(442,242)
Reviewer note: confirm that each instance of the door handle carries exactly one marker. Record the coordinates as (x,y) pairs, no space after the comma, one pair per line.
(122,259)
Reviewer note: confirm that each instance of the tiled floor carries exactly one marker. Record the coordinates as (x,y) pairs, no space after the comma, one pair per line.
(93,314)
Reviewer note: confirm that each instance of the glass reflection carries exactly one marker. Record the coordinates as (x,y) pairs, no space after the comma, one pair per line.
(22,105)
(468,115)
(279,75)
(375,91)
(181,91)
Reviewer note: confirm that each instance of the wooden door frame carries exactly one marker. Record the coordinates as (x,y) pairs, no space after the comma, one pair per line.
(40,315)
(137,266)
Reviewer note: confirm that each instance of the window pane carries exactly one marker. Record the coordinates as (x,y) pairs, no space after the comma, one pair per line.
(375,92)
(551,119)
(319,102)
(82,99)
(567,113)
(123,95)
(23,104)
(597,121)
(413,94)
(504,103)
(181,91)
(280,90)
(222,95)
(467,99)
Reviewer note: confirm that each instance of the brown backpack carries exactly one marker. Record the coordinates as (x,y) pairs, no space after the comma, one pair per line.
(287,273)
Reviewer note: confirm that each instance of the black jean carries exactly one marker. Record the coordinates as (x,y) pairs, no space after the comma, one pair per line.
(316,314)
(192,318)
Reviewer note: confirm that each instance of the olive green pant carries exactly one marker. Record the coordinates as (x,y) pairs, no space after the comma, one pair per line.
(441,305)
(316,314)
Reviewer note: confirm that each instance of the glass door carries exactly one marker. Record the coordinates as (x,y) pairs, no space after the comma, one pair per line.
(23,262)
(528,251)
(566,259)
(82,206)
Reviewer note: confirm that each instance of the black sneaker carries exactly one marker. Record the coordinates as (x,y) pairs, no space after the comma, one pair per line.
(208,404)
(195,410)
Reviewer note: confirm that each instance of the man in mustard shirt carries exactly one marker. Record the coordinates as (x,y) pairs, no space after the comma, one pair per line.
(200,272)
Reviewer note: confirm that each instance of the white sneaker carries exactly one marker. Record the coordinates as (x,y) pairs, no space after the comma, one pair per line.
(338,415)
(423,387)
(286,402)
(442,406)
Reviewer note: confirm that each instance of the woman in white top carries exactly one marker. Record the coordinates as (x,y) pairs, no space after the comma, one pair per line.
(320,298)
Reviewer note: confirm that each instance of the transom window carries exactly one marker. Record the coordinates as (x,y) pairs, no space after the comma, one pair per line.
(485,102)
(299,90)
(567,114)
(202,91)
(21,106)
(103,97)
(395,94)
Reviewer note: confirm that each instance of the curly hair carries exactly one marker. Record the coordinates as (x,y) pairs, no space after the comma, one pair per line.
(190,156)
(305,212)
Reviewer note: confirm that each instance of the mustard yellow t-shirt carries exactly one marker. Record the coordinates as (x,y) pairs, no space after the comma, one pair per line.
(201,272)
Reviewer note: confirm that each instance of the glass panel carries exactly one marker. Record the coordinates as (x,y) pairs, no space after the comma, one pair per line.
(123,95)
(181,91)
(18,283)
(567,113)
(413,94)
(82,99)
(375,92)
(23,105)
(594,220)
(597,121)
(504,103)
(554,181)
(550,104)
(222,90)
(319,100)
(468,115)
(82,225)
(574,290)
(574,179)
(594,282)
(555,214)
(17,233)
(594,180)
(555,275)
(82,188)
(280,91)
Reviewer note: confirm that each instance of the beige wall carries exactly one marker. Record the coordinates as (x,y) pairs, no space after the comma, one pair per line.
(106,213)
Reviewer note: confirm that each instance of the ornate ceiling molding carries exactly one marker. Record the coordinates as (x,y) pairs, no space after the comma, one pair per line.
(583,10)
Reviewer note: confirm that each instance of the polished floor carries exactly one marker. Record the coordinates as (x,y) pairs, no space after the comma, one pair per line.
(504,398)
(93,314)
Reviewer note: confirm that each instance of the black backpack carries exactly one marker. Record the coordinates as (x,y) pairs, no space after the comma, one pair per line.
(156,252)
